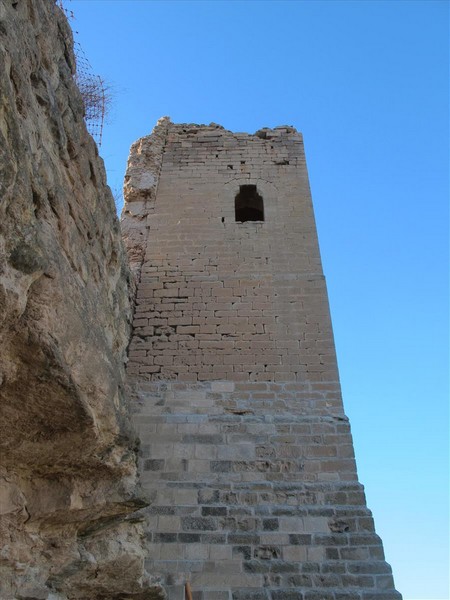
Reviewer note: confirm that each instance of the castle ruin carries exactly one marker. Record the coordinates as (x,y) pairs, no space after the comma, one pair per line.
(246,453)
(248,487)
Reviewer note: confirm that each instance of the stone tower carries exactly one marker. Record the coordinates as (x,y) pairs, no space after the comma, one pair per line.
(247,455)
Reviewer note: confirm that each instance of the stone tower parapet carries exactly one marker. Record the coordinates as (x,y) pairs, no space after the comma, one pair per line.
(246,451)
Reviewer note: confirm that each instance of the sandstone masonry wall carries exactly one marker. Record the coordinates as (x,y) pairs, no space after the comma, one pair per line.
(246,452)
(68,465)
(239,301)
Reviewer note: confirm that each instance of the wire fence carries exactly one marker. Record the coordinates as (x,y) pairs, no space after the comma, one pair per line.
(93,89)
(94,93)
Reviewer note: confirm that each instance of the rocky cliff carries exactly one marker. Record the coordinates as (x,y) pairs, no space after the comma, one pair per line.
(68,467)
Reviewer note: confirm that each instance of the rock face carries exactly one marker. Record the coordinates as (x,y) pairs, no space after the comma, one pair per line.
(68,466)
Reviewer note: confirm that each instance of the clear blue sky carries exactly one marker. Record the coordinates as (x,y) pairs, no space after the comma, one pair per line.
(366,83)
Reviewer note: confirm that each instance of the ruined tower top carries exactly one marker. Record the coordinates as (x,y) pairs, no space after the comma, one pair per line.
(237,283)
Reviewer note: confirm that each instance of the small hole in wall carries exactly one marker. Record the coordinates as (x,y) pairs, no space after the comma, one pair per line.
(230,167)
(248,204)
(242,162)
(217,156)
(223,219)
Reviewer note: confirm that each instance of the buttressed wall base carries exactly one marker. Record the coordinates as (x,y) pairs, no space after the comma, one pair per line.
(246,451)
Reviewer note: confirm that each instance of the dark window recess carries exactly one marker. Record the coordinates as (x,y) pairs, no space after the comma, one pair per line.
(249,204)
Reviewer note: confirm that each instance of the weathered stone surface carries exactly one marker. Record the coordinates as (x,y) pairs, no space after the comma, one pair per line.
(140,186)
(68,468)
(220,299)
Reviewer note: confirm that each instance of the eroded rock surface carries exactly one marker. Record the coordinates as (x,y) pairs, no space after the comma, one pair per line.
(140,187)
(68,467)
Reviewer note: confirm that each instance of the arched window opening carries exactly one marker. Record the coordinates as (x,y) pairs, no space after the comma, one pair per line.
(249,204)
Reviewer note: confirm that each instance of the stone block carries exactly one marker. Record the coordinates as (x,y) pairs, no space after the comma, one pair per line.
(286,595)
(222,386)
(199,524)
